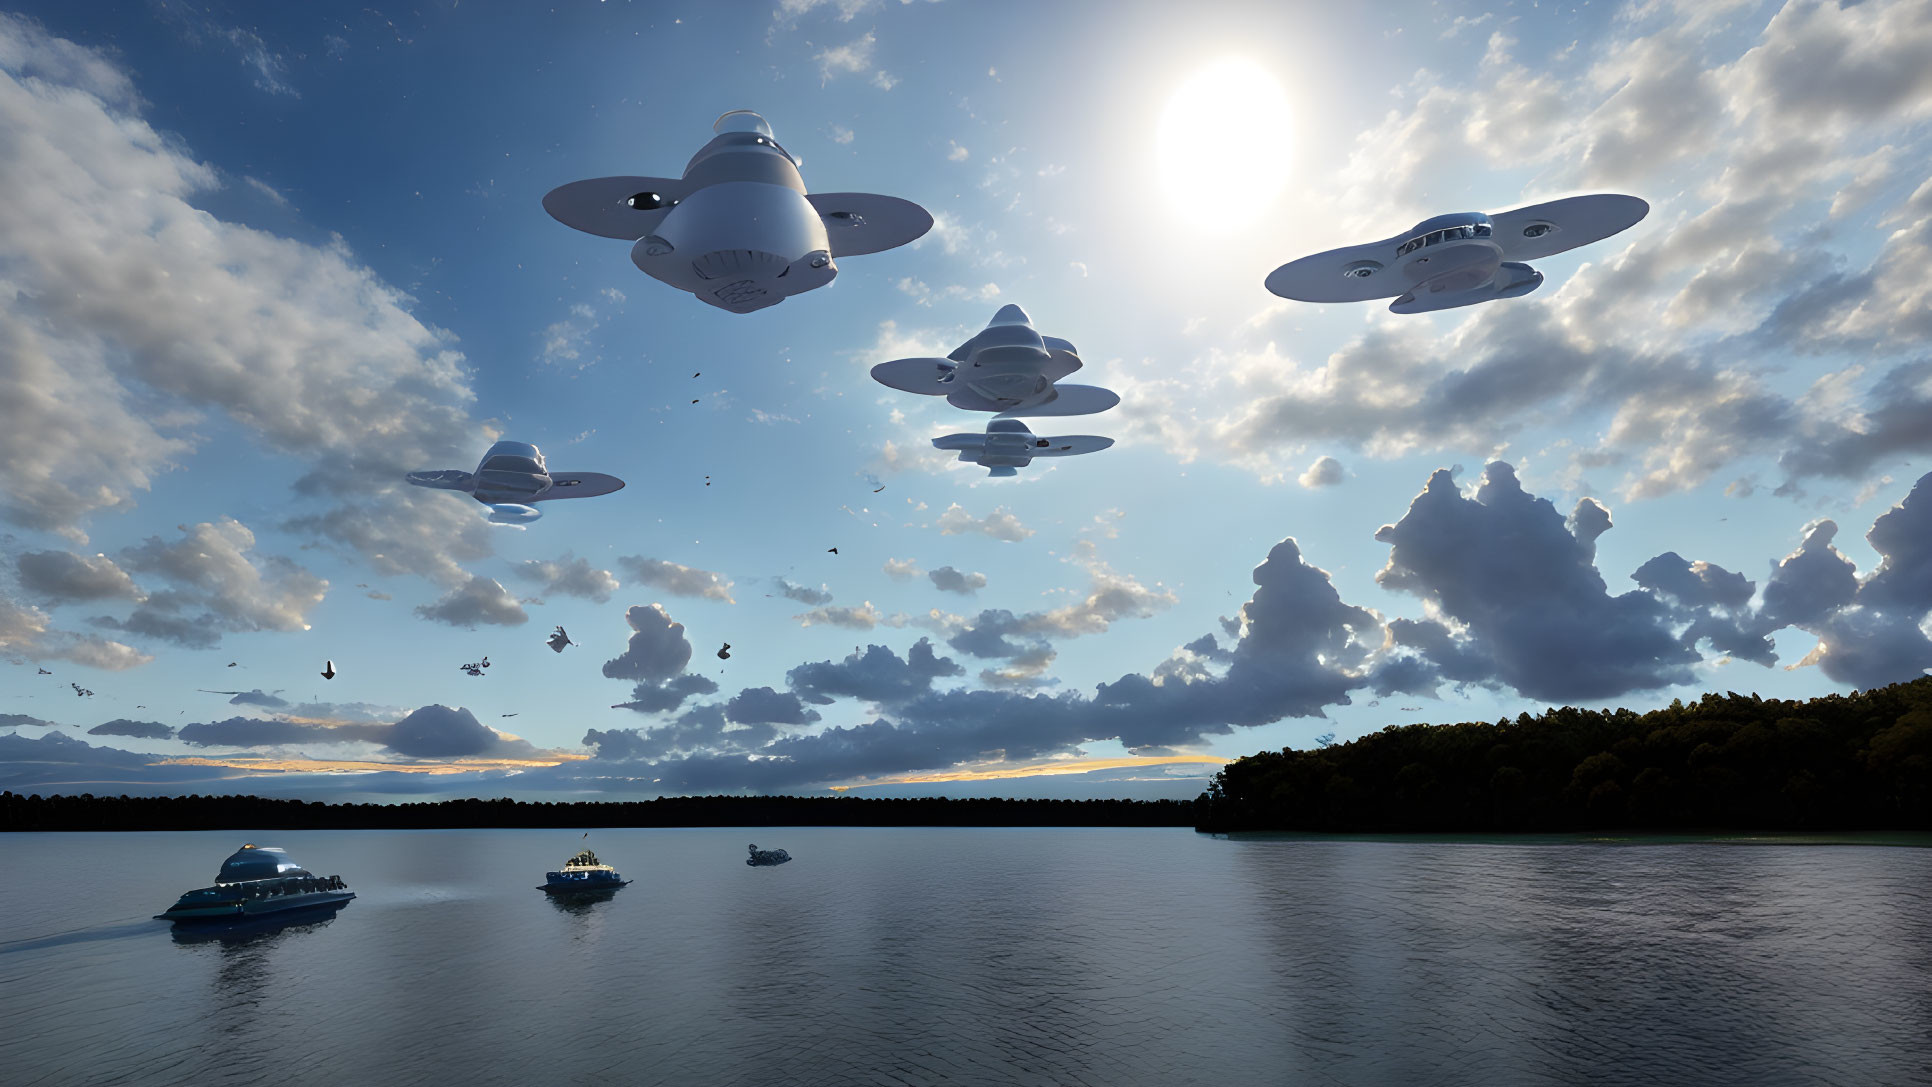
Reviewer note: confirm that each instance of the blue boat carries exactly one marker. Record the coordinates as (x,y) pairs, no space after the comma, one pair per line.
(583,872)
(258,881)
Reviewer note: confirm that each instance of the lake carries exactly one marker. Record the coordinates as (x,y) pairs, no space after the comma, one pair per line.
(977,956)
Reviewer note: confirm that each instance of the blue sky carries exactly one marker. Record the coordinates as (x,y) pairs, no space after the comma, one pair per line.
(255,264)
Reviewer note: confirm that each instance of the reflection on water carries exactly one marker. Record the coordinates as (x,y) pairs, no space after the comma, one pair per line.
(1063,956)
(580,902)
(249,930)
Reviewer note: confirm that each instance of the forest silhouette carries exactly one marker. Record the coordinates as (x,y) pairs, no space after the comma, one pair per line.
(1861,761)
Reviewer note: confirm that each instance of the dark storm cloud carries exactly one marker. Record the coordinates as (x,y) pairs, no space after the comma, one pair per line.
(146,730)
(657,650)
(1504,564)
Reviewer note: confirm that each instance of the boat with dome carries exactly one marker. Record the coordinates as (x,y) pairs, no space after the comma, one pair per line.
(255,881)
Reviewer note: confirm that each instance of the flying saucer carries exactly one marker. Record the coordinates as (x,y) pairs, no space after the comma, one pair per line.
(1008,446)
(1458,259)
(511,477)
(738,228)
(1006,368)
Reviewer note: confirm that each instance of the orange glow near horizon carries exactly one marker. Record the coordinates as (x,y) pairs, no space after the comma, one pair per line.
(1038,769)
(359,766)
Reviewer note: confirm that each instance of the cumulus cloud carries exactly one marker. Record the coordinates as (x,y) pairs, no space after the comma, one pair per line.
(29,632)
(1000,524)
(677,580)
(1325,472)
(901,569)
(570,576)
(57,577)
(132,326)
(876,675)
(481,600)
(657,650)
(948,580)
(764,706)
(220,585)
(1503,564)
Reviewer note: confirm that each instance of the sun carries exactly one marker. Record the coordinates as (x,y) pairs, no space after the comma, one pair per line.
(1224,144)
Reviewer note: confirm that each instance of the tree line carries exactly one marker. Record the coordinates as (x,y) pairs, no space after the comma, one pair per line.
(89,812)
(1861,761)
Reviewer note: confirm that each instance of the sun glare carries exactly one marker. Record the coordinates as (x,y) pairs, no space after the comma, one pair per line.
(1224,143)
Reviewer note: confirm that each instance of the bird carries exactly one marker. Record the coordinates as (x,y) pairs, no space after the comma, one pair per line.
(724,654)
(506,715)
(45,672)
(558,640)
(832,550)
(80,691)
(232,664)
(328,670)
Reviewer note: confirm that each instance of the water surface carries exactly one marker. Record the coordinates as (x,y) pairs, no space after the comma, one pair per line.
(980,956)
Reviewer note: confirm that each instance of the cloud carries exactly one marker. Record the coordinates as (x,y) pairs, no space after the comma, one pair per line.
(804,594)
(269,732)
(570,576)
(482,600)
(1325,472)
(1503,564)
(28,632)
(677,580)
(876,675)
(667,695)
(1000,524)
(901,569)
(439,732)
(764,706)
(145,730)
(217,576)
(862,617)
(946,579)
(851,58)
(131,326)
(657,650)
(63,577)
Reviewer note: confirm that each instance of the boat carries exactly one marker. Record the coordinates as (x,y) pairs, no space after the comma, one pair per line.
(766,857)
(581,873)
(257,881)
